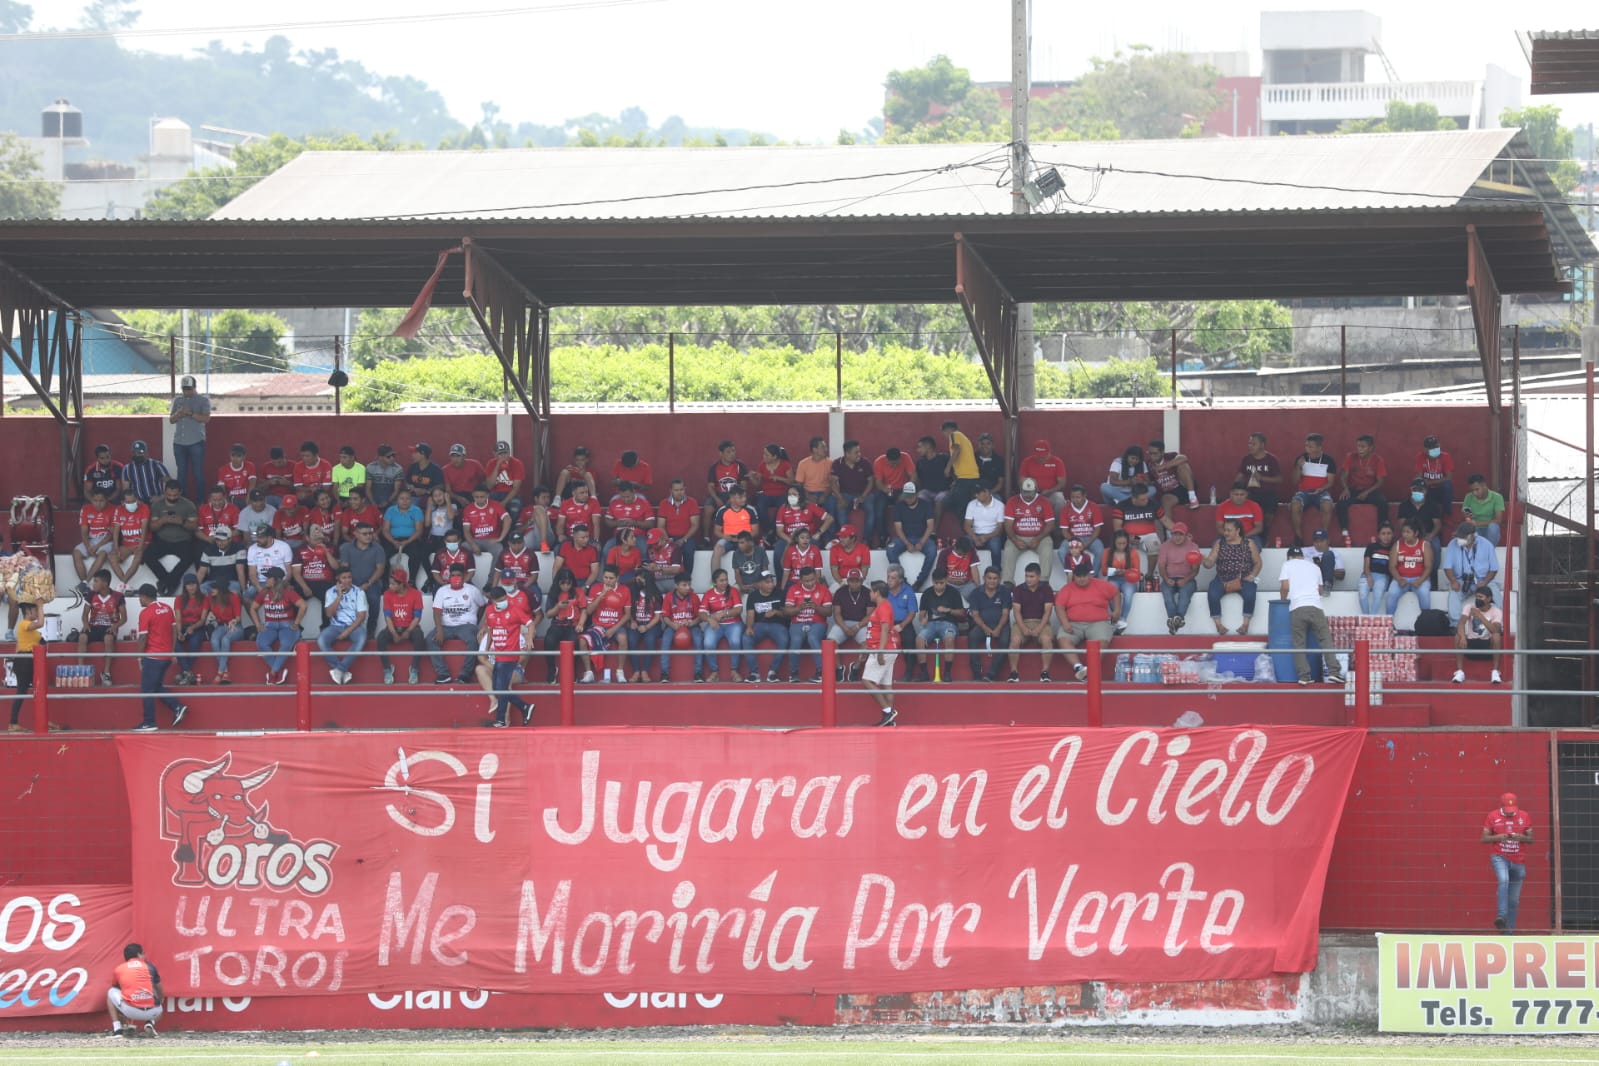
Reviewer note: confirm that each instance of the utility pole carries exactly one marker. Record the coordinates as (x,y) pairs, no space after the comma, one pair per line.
(1021,89)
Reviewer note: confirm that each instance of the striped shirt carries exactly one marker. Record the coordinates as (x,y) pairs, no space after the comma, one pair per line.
(147,477)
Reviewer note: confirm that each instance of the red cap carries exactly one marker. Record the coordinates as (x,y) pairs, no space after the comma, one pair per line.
(846,531)
(1508,801)
(1179,527)
(399,572)
(1041,447)
(655,536)
(853,571)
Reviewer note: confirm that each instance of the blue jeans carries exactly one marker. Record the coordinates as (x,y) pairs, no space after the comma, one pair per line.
(669,638)
(1215,592)
(1374,596)
(279,635)
(503,676)
(191,463)
(1127,589)
(640,643)
(897,547)
(1114,495)
(190,644)
(1177,598)
(326,639)
(222,639)
(1490,533)
(803,635)
(1510,876)
(778,634)
(152,678)
(1396,592)
(714,633)
(875,505)
(937,629)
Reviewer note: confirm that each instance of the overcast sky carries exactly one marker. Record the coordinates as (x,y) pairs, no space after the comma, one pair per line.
(804,70)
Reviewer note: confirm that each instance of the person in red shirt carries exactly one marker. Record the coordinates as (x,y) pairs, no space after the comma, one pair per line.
(628,509)
(312,472)
(724,475)
(461,475)
(358,509)
(226,611)
(484,523)
(1082,520)
(291,522)
(325,516)
(517,566)
(576,472)
(809,607)
(580,556)
(217,517)
(104,612)
(797,556)
(1437,469)
(501,635)
(663,560)
(566,606)
(680,612)
(796,513)
(882,644)
(772,477)
(1088,608)
(157,641)
(624,554)
(1364,472)
(132,521)
(721,622)
(645,628)
(678,515)
(278,614)
(1507,828)
(193,610)
(313,567)
(1029,521)
(581,508)
(959,563)
(1048,472)
(277,477)
(632,470)
(605,627)
(96,537)
(452,553)
(504,475)
(237,476)
(890,472)
(1239,506)
(846,554)
(135,995)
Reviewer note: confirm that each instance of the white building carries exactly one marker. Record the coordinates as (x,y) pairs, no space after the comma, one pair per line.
(1314,77)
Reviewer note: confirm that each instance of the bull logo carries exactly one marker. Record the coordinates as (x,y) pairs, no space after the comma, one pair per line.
(223,838)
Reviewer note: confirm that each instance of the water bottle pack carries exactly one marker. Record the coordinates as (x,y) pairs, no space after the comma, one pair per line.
(74,676)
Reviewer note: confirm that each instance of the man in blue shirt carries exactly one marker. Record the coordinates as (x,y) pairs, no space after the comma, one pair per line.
(344,612)
(1470,563)
(902,598)
(989,605)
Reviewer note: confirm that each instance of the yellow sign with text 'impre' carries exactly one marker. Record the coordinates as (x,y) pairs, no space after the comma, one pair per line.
(1487,984)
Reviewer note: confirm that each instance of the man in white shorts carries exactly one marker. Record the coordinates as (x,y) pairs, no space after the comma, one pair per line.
(882,643)
(135,998)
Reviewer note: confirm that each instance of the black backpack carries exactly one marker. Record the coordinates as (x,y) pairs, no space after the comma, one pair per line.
(1433,623)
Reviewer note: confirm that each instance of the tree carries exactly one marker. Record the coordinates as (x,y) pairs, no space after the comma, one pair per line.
(110,15)
(23,191)
(1402,117)
(923,93)
(241,342)
(1146,94)
(15,17)
(1549,140)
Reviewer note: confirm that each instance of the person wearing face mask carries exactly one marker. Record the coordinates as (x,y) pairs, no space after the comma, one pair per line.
(1481,628)
(1470,563)
(453,553)
(794,514)
(456,608)
(1418,510)
(1437,470)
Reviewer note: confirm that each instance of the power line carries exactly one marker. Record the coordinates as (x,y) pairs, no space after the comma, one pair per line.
(374,20)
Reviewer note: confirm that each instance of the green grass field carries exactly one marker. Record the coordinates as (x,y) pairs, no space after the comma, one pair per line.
(727,1050)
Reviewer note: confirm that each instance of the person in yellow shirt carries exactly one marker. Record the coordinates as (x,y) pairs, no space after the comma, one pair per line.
(962,469)
(22,664)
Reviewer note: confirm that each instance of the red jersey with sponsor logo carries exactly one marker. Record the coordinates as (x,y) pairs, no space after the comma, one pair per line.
(218,520)
(1499,821)
(98,521)
(574,512)
(236,479)
(681,609)
(845,559)
(351,517)
(1434,471)
(637,510)
(314,476)
(317,518)
(959,567)
(808,600)
(521,567)
(1165,479)
(714,602)
(664,555)
(103,607)
(444,558)
(1409,560)
(610,605)
(1027,519)
(130,524)
(677,516)
(569,605)
(881,632)
(137,981)
(644,608)
(502,471)
(518,598)
(1080,522)
(402,607)
(316,562)
(795,558)
(504,625)
(156,623)
(805,516)
(291,525)
(727,476)
(279,608)
(483,522)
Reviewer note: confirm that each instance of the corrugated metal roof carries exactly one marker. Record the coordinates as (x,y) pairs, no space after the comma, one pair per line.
(1253,174)
(1564,35)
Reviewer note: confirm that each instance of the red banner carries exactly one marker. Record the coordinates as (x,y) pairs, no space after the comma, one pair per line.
(739,861)
(58,946)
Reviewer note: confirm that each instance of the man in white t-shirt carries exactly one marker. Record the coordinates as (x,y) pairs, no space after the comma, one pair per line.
(1302,587)
(985,522)
(1481,628)
(456,607)
(267,551)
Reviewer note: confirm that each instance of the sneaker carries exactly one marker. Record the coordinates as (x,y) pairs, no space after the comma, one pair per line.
(498,723)
(412,677)
(1014,677)
(1334,679)
(666,677)
(699,678)
(465,678)
(527,714)
(1081,673)
(587,678)
(442,679)
(149,1028)
(388,675)
(793,677)
(753,678)
(1121,625)
(1044,676)
(1496,679)
(178,713)
(145,727)
(105,678)
(85,590)
(772,678)
(1499,922)
(1304,681)
(119,1032)
(1459,678)
(817,679)
(919,676)
(889,715)
(336,675)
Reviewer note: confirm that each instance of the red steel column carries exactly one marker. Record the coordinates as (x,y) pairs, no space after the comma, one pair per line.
(568,683)
(41,683)
(1096,687)
(1362,684)
(302,686)
(829,684)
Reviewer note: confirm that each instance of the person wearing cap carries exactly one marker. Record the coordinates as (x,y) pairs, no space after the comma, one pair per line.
(1178,565)
(423,475)
(456,610)
(1300,584)
(516,566)
(343,619)
(746,561)
(267,552)
(663,559)
(1436,469)
(1470,563)
(1481,628)
(634,470)
(991,469)
(311,473)
(277,476)
(580,556)
(348,474)
(278,613)
(1261,472)
(1048,472)
(157,642)
(851,481)
(383,475)
(766,619)
(852,605)
(104,474)
(845,554)
(255,513)
(461,475)
(368,563)
(984,521)
(1507,828)
(173,522)
(1126,471)
(237,476)
(1326,557)
(144,475)
(576,472)
(1029,521)
(1085,606)
(189,413)
(988,608)
(912,530)
(1316,474)
(504,473)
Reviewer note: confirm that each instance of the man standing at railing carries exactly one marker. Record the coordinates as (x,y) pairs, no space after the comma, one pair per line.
(157,626)
(882,642)
(1507,827)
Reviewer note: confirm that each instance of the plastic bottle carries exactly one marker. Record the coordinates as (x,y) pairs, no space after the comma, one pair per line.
(1213,495)
(1346,538)
(1278,543)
